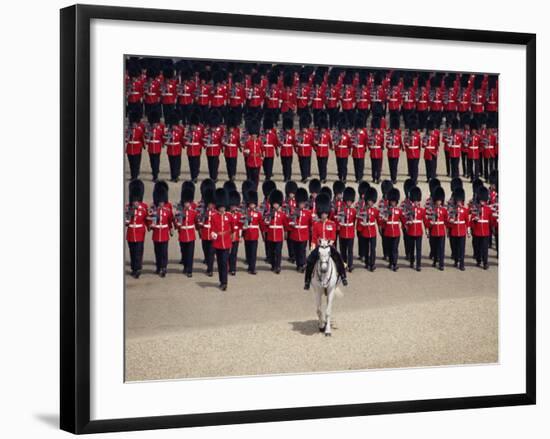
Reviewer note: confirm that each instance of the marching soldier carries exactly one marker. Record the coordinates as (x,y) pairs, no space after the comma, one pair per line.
(394,145)
(237,97)
(409,100)
(204,223)
(360,207)
(348,97)
(268,186)
(338,203)
(342,146)
(367,223)
(152,88)
(231,144)
(269,145)
(134,143)
(300,222)
(456,144)
(238,220)
(383,206)
(303,94)
(173,138)
(458,224)
(213,143)
(413,144)
(473,152)
(222,228)
(363,96)
(422,100)
(481,222)
(406,205)
(490,146)
(323,143)
(185,222)
(324,229)
(134,88)
(435,223)
(169,94)
(346,227)
(359,146)
(160,219)
(186,94)
(414,215)
(273,98)
(251,229)
(252,152)
(319,94)
(395,99)
(391,219)
(287,144)
(154,138)
(203,95)
(194,144)
(333,97)
(276,223)
(255,97)
(314,188)
(289,206)
(288,96)
(304,145)
(136,225)
(219,92)
(376,145)
(436,96)
(431,146)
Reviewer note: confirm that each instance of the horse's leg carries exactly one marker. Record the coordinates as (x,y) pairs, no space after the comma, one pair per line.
(318,303)
(328,312)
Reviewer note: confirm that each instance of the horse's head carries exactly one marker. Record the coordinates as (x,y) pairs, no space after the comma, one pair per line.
(324,257)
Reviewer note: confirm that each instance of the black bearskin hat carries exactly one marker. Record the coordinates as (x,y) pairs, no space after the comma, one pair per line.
(237,77)
(251,197)
(134,116)
(290,187)
(386,186)
(268,122)
(393,195)
(288,79)
(215,118)
(338,187)
(407,186)
(371,194)
(234,198)
(305,120)
(195,118)
(301,195)
(349,194)
(154,117)
(476,184)
(434,182)
(322,120)
(483,194)
(229,186)
(187,196)
(493,178)
(276,197)
(343,121)
(314,186)
(438,194)
(359,121)
(394,122)
(459,195)
(208,196)
(322,204)
(288,122)
(160,193)
(136,190)
(492,81)
(363,187)
(456,183)
(221,198)
(219,76)
(375,122)
(415,194)
(268,186)
(188,185)
(326,190)
(207,184)
(449,81)
(253,126)
(247,185)
(231,119)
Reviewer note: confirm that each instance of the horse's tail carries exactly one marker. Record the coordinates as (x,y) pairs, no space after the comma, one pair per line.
(338,292)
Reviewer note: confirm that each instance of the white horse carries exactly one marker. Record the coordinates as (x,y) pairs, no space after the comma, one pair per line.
(325,282)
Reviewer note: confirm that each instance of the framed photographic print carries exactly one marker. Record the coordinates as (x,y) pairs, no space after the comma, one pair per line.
(275,218)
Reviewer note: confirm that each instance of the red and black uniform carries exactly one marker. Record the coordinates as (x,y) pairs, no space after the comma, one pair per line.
(194,144)
(253,156)
(169,97)
(134,95)
(203,99)
(152,95)
(458,222)
(436,105)
(204,223)
(134,144)
(154,140)
(395,100)
(359,151)
(222,228)
(413,218)
(251,234)
(332,102)
(345,221)
(303,95)
(376,145)
(237,99)
(185,222)
(394,145)
(363,99)
(231,147)
(238,219)
(160,220)
(489,153)
(367,226)
(342,148)
(305,140)
(323,143)
(300,222)
(186,98)
(436,221)
(276,224)
(287,144)
(173,139)
(422,105)
(288,100)
(391,231)
(213,140)
(431,149)
(482,221)
(473,154)
(136,226)
(255,99)
(413,144)
(220,95)
(269,149)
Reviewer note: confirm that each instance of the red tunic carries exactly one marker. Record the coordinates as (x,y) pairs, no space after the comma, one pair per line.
(474,146)
(299,225)
(394,143)
(431,145)
(348,97)
(134,139)
(478,101)
(232,143)
(276,226)
(413,221)
(303,94)
(456,144)
(343,147)
(492,101)
(436,220)
(237,225)
(256,96)
(423,99)
(213,141)
(318,100)
(288,143)
(391,226)
(252,231)
(323,143)
(253,153)
(333,97)
(359,147)
(363,99)
(152,91)
(237,96)
(270,143)
(289,100)
(204,95)
(169,92)
(206,226)
(186,92)
(273,97)
(346,222)
(482,221)
(174,140)
(395,99)
(219,96)
(304,142)
(413,144)
(186,224)
(160,220)
(367,222)
(409,98)
(136,221)
(323,230)
(222,228)
(194,142)
(376,145)
(436,100)
(134,90)
(459,221)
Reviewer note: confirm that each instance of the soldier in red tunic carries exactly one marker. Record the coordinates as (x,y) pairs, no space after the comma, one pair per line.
(269,145)
(333,94)
(173,139)
(413,217)
(213,140)
(458,223)
(376,146)
(391,220)
(169,90)
(304,145)
(222,229)
(160,219)
(231,143)
(237,96)
(136,225)
(436,221)
(482,221)
(300,221)
(342,143)
(367,223)
(323,229)
(251,229)
(234,199)
(348,97)
(203,95)
(186,93)
(318,95)
(273,97)
(134,138)
(152,87)
(134,87)
(154,140)
(289,206)
(287,144)
(394,145)
(185,222)
(413,144)
(359,146)
(194,144)
(276,224)
(253,151)
(205,210)
(346,227)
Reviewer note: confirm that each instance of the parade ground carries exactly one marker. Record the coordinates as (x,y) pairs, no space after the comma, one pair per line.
(180,327)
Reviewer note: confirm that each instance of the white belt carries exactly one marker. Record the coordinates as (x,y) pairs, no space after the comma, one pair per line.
(347,99)
(342,146)
(412,147)
(430,147)
(194,143)
(172,143)
(187,227)
(253,226)
(134,141)
(203,96)
(269,144)
(436,223)
(134,92)
(255,96)
(275,227)
(489,147)
(347,224)
(168,94)
(153,141)
(135,226)
(317,99)
(459,222)
(322,144)
(473,147)
(370,223)
(185,94)
(300,227)
(218,96)
(414,221)
(231,144)
(482,221)
(392,146)
(392,222)
(304,145)
(375,147)
(206,226)
(160,226)
(454,146)
(213,145)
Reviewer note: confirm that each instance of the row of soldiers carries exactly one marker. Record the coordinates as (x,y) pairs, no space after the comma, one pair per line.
(222,219)
(260,143)
(183,86)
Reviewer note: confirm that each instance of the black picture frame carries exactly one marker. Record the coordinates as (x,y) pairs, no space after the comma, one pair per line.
(75,215)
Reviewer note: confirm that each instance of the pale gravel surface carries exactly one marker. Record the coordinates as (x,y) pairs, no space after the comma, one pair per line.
(265,324)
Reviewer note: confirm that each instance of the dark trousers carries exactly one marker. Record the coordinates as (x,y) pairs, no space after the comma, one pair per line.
(154,160)
(361,246)
(473,169)
(464,159)
(488,167)
(268,167)
(222,256)
(407,243)
(322,166)
(346,250)
(332,117)
(422,117)
(175,166)
(134,161)
(136,255)
(161,255)
(482,252)
(415,249)
(300,252)
(168,110)
(385,250)
(393,249)
(290,249)
(447,163)
(393,162)
(213,165)
(376,167)
(370,251)
(149,108)
(454,167)
(305,167)
(233,256)
(136,107)
(253,174)
(231,166)
(185,112)
(342,165)
(458,245)
(287,168)
(335,256)
(430,169)
(439,250)
(412,167)
(251,253)
(187,252)
(359,168)
(194,166)
(208,251)
(276,250)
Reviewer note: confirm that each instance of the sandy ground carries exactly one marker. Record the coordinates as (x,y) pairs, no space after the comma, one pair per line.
(266,324)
